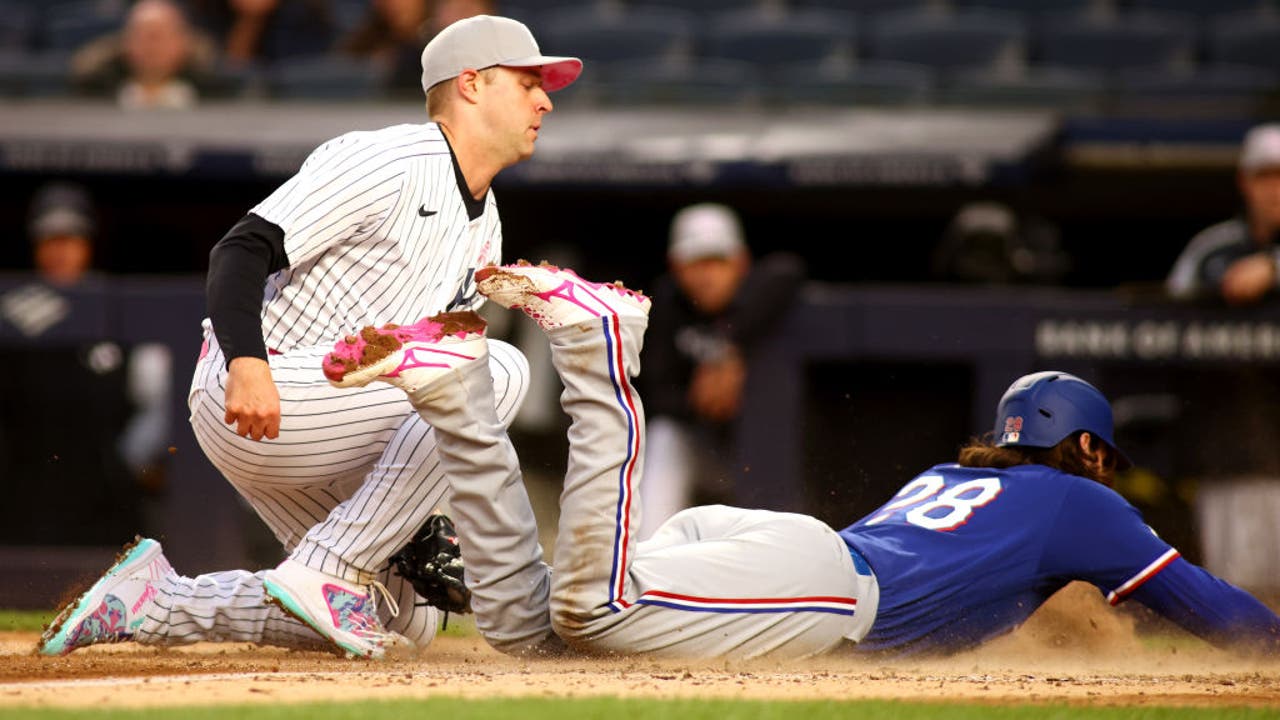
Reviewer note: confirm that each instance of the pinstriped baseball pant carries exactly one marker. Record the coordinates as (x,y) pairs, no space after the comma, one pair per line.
(352,476)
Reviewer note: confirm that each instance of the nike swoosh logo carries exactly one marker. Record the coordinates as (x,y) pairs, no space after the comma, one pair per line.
(424,212)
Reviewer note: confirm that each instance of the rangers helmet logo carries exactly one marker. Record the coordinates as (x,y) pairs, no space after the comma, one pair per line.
(1012,429)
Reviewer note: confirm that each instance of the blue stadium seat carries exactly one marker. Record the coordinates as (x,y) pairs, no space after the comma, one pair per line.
(655,35)
(766,40)
(1206,8)
(326,77)
(1047,88)
(64,33)
(867,83)
(1128,41)
(18,24)
(870,8)
(703,8)
(1212,91)
(1041,7)
(1248,41)
(34,74)
(702,83)
(954,42)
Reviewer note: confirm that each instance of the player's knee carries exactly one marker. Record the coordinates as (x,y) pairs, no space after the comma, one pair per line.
(570,622)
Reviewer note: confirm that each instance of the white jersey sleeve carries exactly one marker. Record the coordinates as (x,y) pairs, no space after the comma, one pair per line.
(342,190)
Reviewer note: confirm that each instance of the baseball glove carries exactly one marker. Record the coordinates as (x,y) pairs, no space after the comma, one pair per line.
(432,563)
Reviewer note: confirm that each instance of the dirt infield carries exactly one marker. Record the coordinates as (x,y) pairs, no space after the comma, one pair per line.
(1075,650)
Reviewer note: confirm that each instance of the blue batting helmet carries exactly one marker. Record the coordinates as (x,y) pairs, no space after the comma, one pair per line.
(1041,409)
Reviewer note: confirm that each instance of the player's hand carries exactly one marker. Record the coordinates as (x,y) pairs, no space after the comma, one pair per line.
(1248,279)
(253,402)
(715,391)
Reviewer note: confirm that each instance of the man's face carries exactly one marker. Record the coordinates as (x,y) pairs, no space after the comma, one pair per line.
(710,283)
(513,103)
(63,259)
(1261,192)
(156,42)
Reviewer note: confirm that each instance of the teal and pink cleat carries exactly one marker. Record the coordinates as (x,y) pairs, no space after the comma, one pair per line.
(115,606)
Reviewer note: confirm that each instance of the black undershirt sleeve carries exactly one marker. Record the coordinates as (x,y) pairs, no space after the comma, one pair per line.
(238,268)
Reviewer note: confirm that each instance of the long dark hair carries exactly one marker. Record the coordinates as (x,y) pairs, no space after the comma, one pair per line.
(1065,456)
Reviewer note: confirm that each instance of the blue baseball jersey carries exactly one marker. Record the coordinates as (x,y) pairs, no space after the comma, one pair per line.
(966,554)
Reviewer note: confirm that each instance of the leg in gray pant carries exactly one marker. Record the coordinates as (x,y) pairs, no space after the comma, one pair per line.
(713,581)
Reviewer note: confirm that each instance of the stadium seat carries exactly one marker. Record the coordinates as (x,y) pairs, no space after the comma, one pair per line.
(975,39)
(1048,88)
(65,33)
(1242,40)
(767,41)
(652,35)
(1130,41)
(326,77)
(1222,91)
(701,83)
(17,26)
(34,74)
(1207,8)
(867,9)
(866,83)
(1041,7)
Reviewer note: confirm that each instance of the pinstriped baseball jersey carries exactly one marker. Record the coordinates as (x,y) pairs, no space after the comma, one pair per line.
(376,231)
(377,227)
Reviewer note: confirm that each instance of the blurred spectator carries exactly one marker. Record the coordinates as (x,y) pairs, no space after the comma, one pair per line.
(394,32)
(265,31)
(1238,496)
(1236,259)
(710,312)
(61,229)
(157,61)
(84,424)
(987,242)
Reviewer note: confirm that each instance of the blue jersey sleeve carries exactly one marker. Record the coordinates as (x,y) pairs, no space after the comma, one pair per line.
(1100,538)
(1211,608)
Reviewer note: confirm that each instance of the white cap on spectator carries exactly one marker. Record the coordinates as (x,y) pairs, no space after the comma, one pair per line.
(483,41)
(1261,148)
(706,230)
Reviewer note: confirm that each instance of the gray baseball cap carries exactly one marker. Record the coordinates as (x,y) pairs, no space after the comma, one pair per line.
(484,41)
(705,230)
(1261,149)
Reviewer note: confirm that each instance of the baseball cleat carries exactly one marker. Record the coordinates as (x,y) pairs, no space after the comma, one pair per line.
(113,608)
(556,297)
(407,356)
(343,612)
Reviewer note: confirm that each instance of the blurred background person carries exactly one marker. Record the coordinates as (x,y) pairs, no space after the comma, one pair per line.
(84,424)
(987,243)
(393,33)
(156,61)
(61,230)
(1236,258)
(710,311)
(1237,497)
(261,32)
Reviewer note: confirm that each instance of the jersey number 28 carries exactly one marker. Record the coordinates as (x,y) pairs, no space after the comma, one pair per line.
(948,510)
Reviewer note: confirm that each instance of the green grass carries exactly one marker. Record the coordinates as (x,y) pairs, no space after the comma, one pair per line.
(24,620)
(614,709)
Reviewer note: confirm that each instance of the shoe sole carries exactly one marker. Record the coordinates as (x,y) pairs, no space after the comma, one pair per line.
(464,321)
(496,280)
(53,640)
(285,599)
